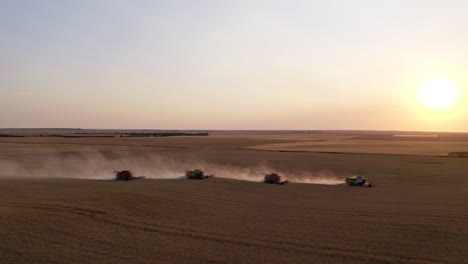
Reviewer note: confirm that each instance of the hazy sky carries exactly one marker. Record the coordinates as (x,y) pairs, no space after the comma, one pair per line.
(229,64)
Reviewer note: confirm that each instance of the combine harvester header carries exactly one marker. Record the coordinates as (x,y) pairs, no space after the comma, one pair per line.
(126,175)
(359,181)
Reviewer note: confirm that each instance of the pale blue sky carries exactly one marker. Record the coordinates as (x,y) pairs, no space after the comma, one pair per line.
(228,64)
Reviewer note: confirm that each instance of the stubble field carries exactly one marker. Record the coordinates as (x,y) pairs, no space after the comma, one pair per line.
(58,203)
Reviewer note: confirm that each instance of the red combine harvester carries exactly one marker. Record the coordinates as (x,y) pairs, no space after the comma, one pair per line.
(197,174)
(126,175)
(274,178)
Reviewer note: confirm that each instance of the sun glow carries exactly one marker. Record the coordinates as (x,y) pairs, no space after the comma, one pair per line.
(438,94)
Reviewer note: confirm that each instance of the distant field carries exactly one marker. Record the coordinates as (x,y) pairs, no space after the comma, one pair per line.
(428,144)
(425,148)
(58,203)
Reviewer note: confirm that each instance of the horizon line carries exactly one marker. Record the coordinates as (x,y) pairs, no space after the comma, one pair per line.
(299,130)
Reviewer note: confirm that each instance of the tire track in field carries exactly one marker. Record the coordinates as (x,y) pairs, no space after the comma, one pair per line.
(265,243)
(343,211)
(73,242)
(297,246)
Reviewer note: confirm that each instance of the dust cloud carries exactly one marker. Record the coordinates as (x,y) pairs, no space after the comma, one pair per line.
(93,164)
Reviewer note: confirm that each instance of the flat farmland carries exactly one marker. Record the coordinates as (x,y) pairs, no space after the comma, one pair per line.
(58,203)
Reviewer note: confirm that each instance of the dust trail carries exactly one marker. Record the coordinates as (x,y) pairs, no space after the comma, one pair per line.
(257,174)
(88,163)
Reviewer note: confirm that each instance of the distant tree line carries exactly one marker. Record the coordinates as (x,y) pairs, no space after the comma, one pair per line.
(459,154)
(133,134)
(163,134)
(73,136)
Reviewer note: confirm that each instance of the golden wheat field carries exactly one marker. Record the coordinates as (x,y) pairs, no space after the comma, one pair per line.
(60,204)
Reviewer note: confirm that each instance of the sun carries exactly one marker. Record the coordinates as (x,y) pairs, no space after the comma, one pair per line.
(438,94)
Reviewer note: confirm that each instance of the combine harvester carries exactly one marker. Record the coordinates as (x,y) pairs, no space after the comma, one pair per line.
(359,181)
(274,178)
(126,175)
(197,174)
